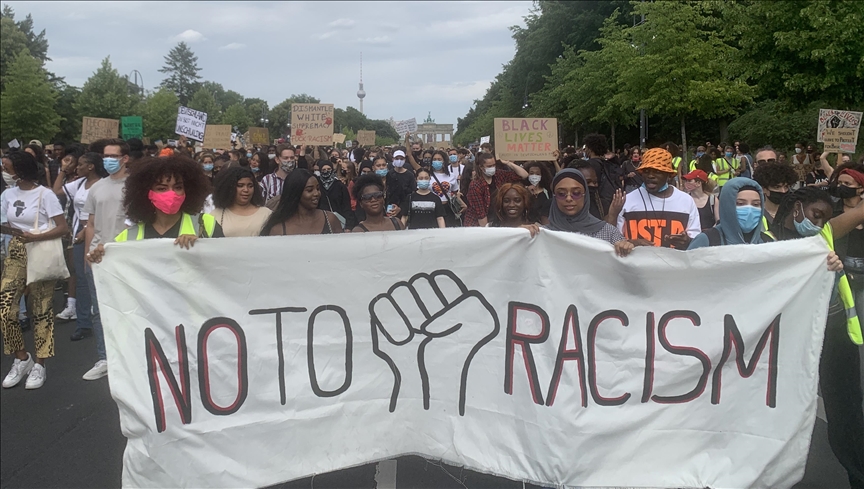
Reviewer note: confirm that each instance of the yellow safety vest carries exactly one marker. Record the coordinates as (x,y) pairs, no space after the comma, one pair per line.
(721,165)
(692,165)
(675,162)
(188,226)
(853,325)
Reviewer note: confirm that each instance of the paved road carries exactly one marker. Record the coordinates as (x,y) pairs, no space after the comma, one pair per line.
(67,434)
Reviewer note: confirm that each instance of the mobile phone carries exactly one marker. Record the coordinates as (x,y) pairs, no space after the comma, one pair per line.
(390,208)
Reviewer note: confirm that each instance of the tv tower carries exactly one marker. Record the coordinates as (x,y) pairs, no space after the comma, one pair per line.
(361,93)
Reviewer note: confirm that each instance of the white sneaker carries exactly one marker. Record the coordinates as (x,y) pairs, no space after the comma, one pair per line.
(20,368)
(98,371)
(68,314)
(36,377)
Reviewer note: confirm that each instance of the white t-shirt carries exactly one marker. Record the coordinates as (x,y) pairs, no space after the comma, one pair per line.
(449,182)
(77,191)
(20,207)
(650,217)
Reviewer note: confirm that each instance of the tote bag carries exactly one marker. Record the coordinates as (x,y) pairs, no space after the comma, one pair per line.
(45,260)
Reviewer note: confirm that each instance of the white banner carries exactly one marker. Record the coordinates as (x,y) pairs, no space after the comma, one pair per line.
(191,123)
(404,127)
(547,360)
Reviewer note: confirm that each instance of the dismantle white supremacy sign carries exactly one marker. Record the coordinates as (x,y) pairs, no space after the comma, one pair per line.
(547,360)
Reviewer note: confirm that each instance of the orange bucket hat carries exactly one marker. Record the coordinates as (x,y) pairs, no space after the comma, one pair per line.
(657,159)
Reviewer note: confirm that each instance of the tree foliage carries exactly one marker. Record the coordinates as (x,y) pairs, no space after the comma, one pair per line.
(27,102)
(14,36)
(159,114)
(106,94)
(204,101)
(181,66)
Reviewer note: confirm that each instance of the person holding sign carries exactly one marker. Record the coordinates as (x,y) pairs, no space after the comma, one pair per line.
(298,212)
(30,209)
(489,176)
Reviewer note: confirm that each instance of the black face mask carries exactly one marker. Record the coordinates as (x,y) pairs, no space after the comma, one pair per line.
(777,197)
(843,192)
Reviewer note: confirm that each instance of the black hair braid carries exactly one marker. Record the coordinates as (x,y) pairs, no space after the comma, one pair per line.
(805,195)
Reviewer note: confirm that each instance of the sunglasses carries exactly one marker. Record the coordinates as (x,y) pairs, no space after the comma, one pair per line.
(563,195)
(762,162)
(372,196)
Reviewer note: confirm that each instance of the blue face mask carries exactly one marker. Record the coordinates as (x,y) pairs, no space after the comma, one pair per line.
(207,166)
(423,184)
(454,158)
(381,173)
(661,189)
(437,165)
(699,154)
(112,165)
(806,227)
(748,217)
(728,154)
(248,155)
(255,169)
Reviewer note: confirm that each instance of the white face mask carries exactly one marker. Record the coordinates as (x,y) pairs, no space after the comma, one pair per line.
(534,179)
(798,151)
(10,179)
(490,172)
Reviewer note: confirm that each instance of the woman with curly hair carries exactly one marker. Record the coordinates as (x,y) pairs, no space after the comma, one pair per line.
(164,197)
(239,203)
(540,186)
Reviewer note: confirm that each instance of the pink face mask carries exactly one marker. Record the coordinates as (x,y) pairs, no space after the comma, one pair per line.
(168,202)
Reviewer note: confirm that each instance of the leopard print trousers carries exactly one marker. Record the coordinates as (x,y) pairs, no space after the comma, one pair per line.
(12,286)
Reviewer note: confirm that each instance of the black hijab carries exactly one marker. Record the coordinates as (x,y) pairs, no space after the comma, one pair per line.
(583,222)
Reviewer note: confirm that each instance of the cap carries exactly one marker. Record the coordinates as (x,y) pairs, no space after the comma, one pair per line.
(36,142)
(696,175)
(399,153)
(166,152)
(657,159)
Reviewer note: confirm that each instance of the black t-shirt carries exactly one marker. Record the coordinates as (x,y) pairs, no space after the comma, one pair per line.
(174,232)
(818,177)
(540,206)
(405,181)
(423,211)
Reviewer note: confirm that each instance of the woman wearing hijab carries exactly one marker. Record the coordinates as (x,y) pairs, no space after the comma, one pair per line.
(571,212)
(334,194)
(741,206)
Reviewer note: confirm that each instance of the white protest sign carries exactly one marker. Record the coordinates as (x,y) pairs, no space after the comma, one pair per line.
(484,139)
(547,360)
(839,119)
(191,123)
(404,127)
(14,144)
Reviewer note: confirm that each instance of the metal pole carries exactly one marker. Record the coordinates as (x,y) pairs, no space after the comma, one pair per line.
(642,129)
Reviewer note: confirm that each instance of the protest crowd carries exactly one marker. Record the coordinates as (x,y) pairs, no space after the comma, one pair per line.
(79,197)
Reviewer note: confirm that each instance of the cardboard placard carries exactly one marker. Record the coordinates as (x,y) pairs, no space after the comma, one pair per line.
(191,123)
(839,140)
(94,129)
(404,127)
(338,138)
(258,135)
(131,127)
(311,124)
(146,141)
(837,119)
(366,138)
(531,139)
(217,136)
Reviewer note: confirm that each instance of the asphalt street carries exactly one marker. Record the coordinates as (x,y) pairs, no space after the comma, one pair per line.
(67,434)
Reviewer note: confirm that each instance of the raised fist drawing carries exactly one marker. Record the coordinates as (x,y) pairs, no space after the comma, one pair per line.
(431,320)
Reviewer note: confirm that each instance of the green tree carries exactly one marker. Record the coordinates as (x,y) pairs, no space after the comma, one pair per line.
(17,35)
(802,50)
(27,103)
(106,94)
(256,109)
(181,66)
(236,116)
(70,126)
(159,113)
(204,101)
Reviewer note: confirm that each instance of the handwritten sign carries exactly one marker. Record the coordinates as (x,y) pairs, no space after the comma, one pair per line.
(338,138)
(312,124)
(840,140)
(526,139)
(484,139)
(258,135)
(94,129)
(366,138)
(404,127)
(191,123)
(217,136)
(131,127)
(837,119)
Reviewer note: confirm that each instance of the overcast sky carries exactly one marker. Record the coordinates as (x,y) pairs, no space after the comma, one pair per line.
(270,50)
